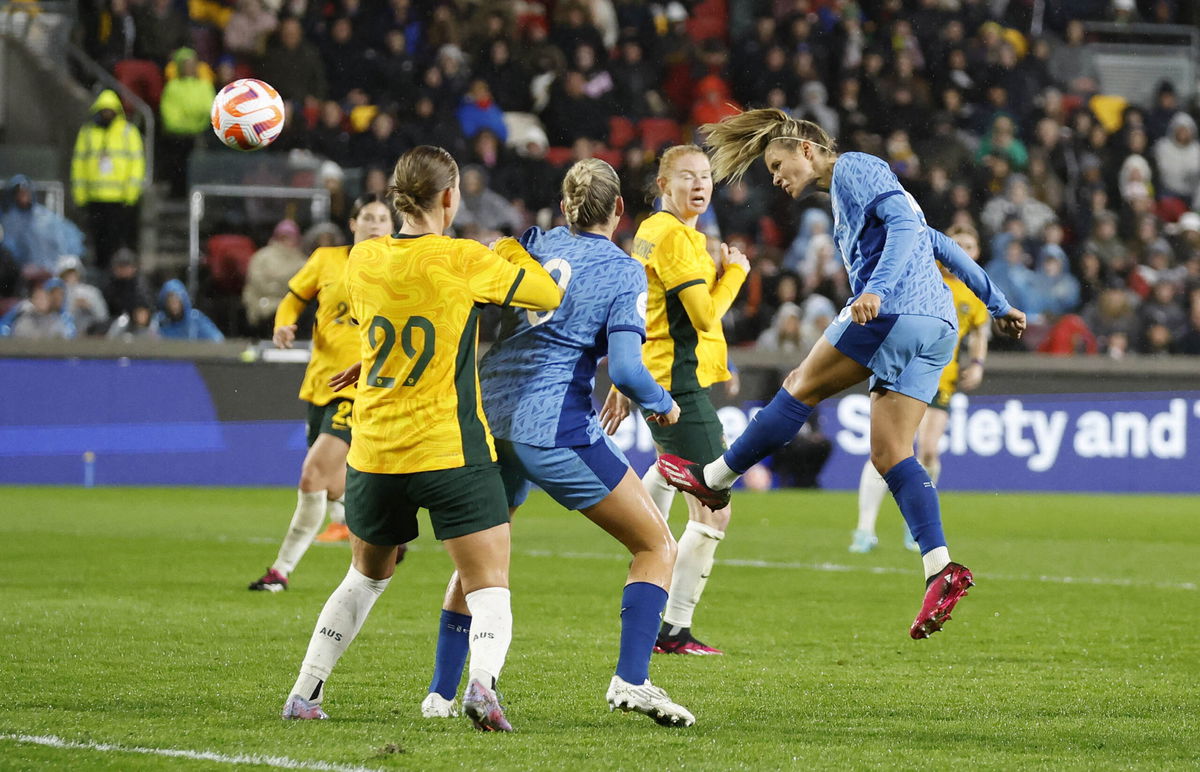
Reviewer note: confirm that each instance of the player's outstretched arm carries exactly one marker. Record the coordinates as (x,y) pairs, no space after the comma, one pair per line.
(631,377)
(1009,320)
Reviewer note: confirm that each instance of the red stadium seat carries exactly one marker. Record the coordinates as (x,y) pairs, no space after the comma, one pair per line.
(142,77)
(769,232)
(559,156)
(709,19)
(614,157)
(228,258)
(657,132)
(621,132)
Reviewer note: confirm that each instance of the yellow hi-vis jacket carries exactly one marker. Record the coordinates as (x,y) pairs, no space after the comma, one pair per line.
(109,163)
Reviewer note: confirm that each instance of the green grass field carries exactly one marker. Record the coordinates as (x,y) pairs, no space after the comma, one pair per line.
(127,625)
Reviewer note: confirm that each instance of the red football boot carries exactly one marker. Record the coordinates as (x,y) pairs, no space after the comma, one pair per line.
(941,595)
(689,478)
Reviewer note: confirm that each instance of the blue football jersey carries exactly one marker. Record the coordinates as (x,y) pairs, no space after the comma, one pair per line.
(860,183)
(537,379)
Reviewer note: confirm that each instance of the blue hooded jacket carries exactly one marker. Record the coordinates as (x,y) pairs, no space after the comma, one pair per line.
(193,325)
(36,235)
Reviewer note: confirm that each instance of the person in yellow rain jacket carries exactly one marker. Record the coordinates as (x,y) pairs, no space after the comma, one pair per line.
(107,172)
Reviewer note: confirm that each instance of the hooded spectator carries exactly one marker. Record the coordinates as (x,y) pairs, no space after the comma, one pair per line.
(108,170)
(248,28)
(186,112)
(177,320)
(1052,290)
(139,323)
(84,302)
(814,106)
(125,285)
(32,234)
(1177,156)
(43,316)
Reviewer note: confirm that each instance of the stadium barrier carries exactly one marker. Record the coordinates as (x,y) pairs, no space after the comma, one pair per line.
(84,412)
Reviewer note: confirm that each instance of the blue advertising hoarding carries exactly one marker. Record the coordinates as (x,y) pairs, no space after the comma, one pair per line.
(144,422)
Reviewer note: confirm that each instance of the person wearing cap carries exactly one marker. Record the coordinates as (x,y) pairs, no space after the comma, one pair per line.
(34,235)
(268,273)
(84,302)
(42,315)
(108,169)
(185,111)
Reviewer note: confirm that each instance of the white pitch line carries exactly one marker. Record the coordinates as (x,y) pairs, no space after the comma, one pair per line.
(842,568)
(278,762)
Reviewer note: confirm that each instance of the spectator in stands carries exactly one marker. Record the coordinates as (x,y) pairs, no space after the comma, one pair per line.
(160,29)
(1011,273)
(484,210)
(507,79)
(1106,245)
(42,316)
(138,323)
(572,114)
(426,126)
(267,276)
(1003,141)
(118,44)
(108,170)
(1178,158)
(635,83)
(1187,340)
(503,173)
(83,301)
(32,234)
(395,73)
(713,101)
(248,28)
(1159,317)
(331,137)
(185,109)
(479,112)
(177,320)
(1017,202)
(1166,105)
(784,334)
(1072,63)
(573,28)
(348,63)
(1113,319)
(1052,291)
(380,146)
(125,285)
(293,65)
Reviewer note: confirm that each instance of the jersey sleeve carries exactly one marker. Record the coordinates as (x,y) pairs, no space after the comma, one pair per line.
(522,282)
(628,309)
(306,282)
(678,262)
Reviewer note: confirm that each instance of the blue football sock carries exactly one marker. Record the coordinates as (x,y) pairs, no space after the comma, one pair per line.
(773,427)
(918,501)
(454,640)
(642,605)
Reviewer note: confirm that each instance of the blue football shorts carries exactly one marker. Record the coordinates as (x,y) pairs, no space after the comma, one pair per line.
(577,477)
(904,352)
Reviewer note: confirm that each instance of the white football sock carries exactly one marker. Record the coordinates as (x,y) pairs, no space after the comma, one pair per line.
(336,509)
(306,521)
(935,560)
(693,564)
(337,625)
(872,489)
(934,471)
(491,633)
(660,490)
(718,475)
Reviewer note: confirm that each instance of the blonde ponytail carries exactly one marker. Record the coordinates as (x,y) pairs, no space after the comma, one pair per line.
(737,141)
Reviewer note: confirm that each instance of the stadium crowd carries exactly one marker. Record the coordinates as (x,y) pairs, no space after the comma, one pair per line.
(1086,206)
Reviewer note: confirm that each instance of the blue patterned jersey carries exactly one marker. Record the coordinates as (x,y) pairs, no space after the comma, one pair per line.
(537,379)
(908,283)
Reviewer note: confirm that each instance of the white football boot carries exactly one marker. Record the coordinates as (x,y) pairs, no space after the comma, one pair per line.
(436,706)
(647,699)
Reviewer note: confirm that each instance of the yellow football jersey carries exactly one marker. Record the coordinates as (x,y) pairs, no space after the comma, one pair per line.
(335,340)
(680,357)
(414,298)
(972,315)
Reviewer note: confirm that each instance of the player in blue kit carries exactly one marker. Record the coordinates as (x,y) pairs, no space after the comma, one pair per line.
(537,383)
(899,330)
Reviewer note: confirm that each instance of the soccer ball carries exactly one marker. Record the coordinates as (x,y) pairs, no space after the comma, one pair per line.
(247,114)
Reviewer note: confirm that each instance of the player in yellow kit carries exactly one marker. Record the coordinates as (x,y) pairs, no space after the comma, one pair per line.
(685,352)
(974,325)
(334,348)
(420,436)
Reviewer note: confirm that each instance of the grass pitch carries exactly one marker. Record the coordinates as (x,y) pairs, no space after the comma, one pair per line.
(127,625)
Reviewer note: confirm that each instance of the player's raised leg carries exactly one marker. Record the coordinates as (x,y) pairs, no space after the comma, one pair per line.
(894,421)
(823,373)
(339,622)
(630,516)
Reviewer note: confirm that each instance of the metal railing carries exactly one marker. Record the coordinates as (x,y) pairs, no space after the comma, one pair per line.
(318,197)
